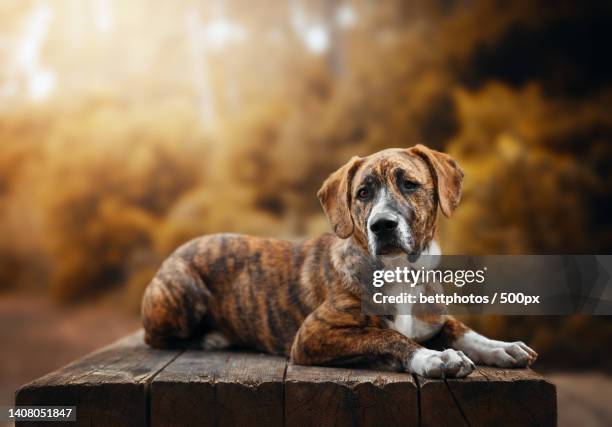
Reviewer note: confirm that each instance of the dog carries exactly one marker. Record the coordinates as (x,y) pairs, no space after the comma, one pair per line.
(303,300)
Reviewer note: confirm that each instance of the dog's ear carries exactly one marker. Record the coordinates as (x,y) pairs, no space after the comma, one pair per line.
(335,198)
(447,176)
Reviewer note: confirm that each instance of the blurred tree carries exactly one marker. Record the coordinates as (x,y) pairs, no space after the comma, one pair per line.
(127,129)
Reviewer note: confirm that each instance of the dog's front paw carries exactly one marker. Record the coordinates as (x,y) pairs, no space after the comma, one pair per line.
(497,353)
(440,364)
(505,354)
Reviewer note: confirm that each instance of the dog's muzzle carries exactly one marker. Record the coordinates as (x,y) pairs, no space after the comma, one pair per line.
(388,233)
(383,225)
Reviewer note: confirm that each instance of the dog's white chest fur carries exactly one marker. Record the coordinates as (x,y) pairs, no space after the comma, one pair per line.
(415,329)
(408,325)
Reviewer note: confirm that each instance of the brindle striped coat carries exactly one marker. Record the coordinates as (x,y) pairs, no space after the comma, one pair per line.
(303,299)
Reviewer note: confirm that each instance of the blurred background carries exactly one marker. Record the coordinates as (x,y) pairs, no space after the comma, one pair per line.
(128,127)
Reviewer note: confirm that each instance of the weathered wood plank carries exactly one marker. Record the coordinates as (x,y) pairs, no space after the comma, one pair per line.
(129,383)
(489,396)
(109,387)
(219,389)
(318,396)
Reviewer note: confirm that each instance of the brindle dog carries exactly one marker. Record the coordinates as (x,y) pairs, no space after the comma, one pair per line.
(303,300)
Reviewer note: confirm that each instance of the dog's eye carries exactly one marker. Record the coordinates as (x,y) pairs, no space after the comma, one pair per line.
(409,186)
(363,193)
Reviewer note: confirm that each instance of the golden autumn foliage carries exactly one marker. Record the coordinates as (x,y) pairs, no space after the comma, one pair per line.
(126,130)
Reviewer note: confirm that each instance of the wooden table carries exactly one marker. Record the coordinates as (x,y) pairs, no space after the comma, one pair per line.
(130,384)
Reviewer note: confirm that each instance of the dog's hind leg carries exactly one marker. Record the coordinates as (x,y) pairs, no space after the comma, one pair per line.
(174,304)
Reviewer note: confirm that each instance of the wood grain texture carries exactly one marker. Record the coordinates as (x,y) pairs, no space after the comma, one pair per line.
(130,384)
(318,396)
(489,396)
(219,389)
(109,387)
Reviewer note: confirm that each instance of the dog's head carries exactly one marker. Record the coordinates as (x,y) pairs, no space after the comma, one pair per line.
(387,202)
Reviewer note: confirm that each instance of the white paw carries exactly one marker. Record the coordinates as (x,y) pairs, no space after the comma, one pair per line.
(214,341)
(496,353)
(505,355)
(441,364)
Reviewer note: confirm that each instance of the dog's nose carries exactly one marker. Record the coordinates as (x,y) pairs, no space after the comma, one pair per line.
(382,224)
